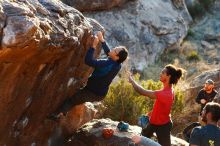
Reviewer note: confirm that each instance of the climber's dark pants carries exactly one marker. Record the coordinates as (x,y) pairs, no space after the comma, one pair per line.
(162,132)
(83,95)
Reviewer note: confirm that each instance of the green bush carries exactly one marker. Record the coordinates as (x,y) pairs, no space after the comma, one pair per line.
(178,102)
(190,33)
(193,56)
(124,104)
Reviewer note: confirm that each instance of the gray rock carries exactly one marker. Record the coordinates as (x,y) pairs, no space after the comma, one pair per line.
(92,132)
(207,45)
(190,3)
(212,37)
(94,5)
(145,27)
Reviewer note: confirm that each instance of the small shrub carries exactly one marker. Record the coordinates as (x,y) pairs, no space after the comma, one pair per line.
(193,56)
(190,33)
(124,104)
(178,102)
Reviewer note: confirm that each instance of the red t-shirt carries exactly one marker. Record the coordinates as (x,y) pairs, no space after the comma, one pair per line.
(162,106)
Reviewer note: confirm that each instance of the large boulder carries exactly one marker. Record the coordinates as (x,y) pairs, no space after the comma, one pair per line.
(146,27)
(94,5)
(78,116)
(90,134)
(43,44)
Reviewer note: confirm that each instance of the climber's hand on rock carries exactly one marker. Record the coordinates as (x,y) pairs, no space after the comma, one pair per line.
(100,36)
(95,42)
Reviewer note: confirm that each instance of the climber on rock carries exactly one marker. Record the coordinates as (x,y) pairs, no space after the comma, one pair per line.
(98,83)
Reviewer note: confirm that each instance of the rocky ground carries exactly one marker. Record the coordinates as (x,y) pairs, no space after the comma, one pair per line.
(92,132)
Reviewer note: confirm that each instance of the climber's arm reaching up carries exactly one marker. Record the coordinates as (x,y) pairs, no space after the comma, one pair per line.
(104,44)
(91,61)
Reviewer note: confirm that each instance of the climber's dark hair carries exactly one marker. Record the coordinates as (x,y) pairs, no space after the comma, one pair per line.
(214,109)
(174,72)
(123,54)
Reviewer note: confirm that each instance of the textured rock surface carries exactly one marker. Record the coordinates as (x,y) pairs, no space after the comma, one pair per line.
(78,116)
(43,44)
(92,132)
(94,5)
(208,30)
(146,27)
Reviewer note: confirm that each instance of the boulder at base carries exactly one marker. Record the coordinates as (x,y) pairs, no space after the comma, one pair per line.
(90,134)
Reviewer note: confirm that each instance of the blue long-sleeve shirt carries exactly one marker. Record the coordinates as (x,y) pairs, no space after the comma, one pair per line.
(104,72)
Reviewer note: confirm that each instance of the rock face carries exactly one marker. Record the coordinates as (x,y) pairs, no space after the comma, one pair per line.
(206,36)
(78,116)
(146,27)
(43,44)
(88,5)
(92,132)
